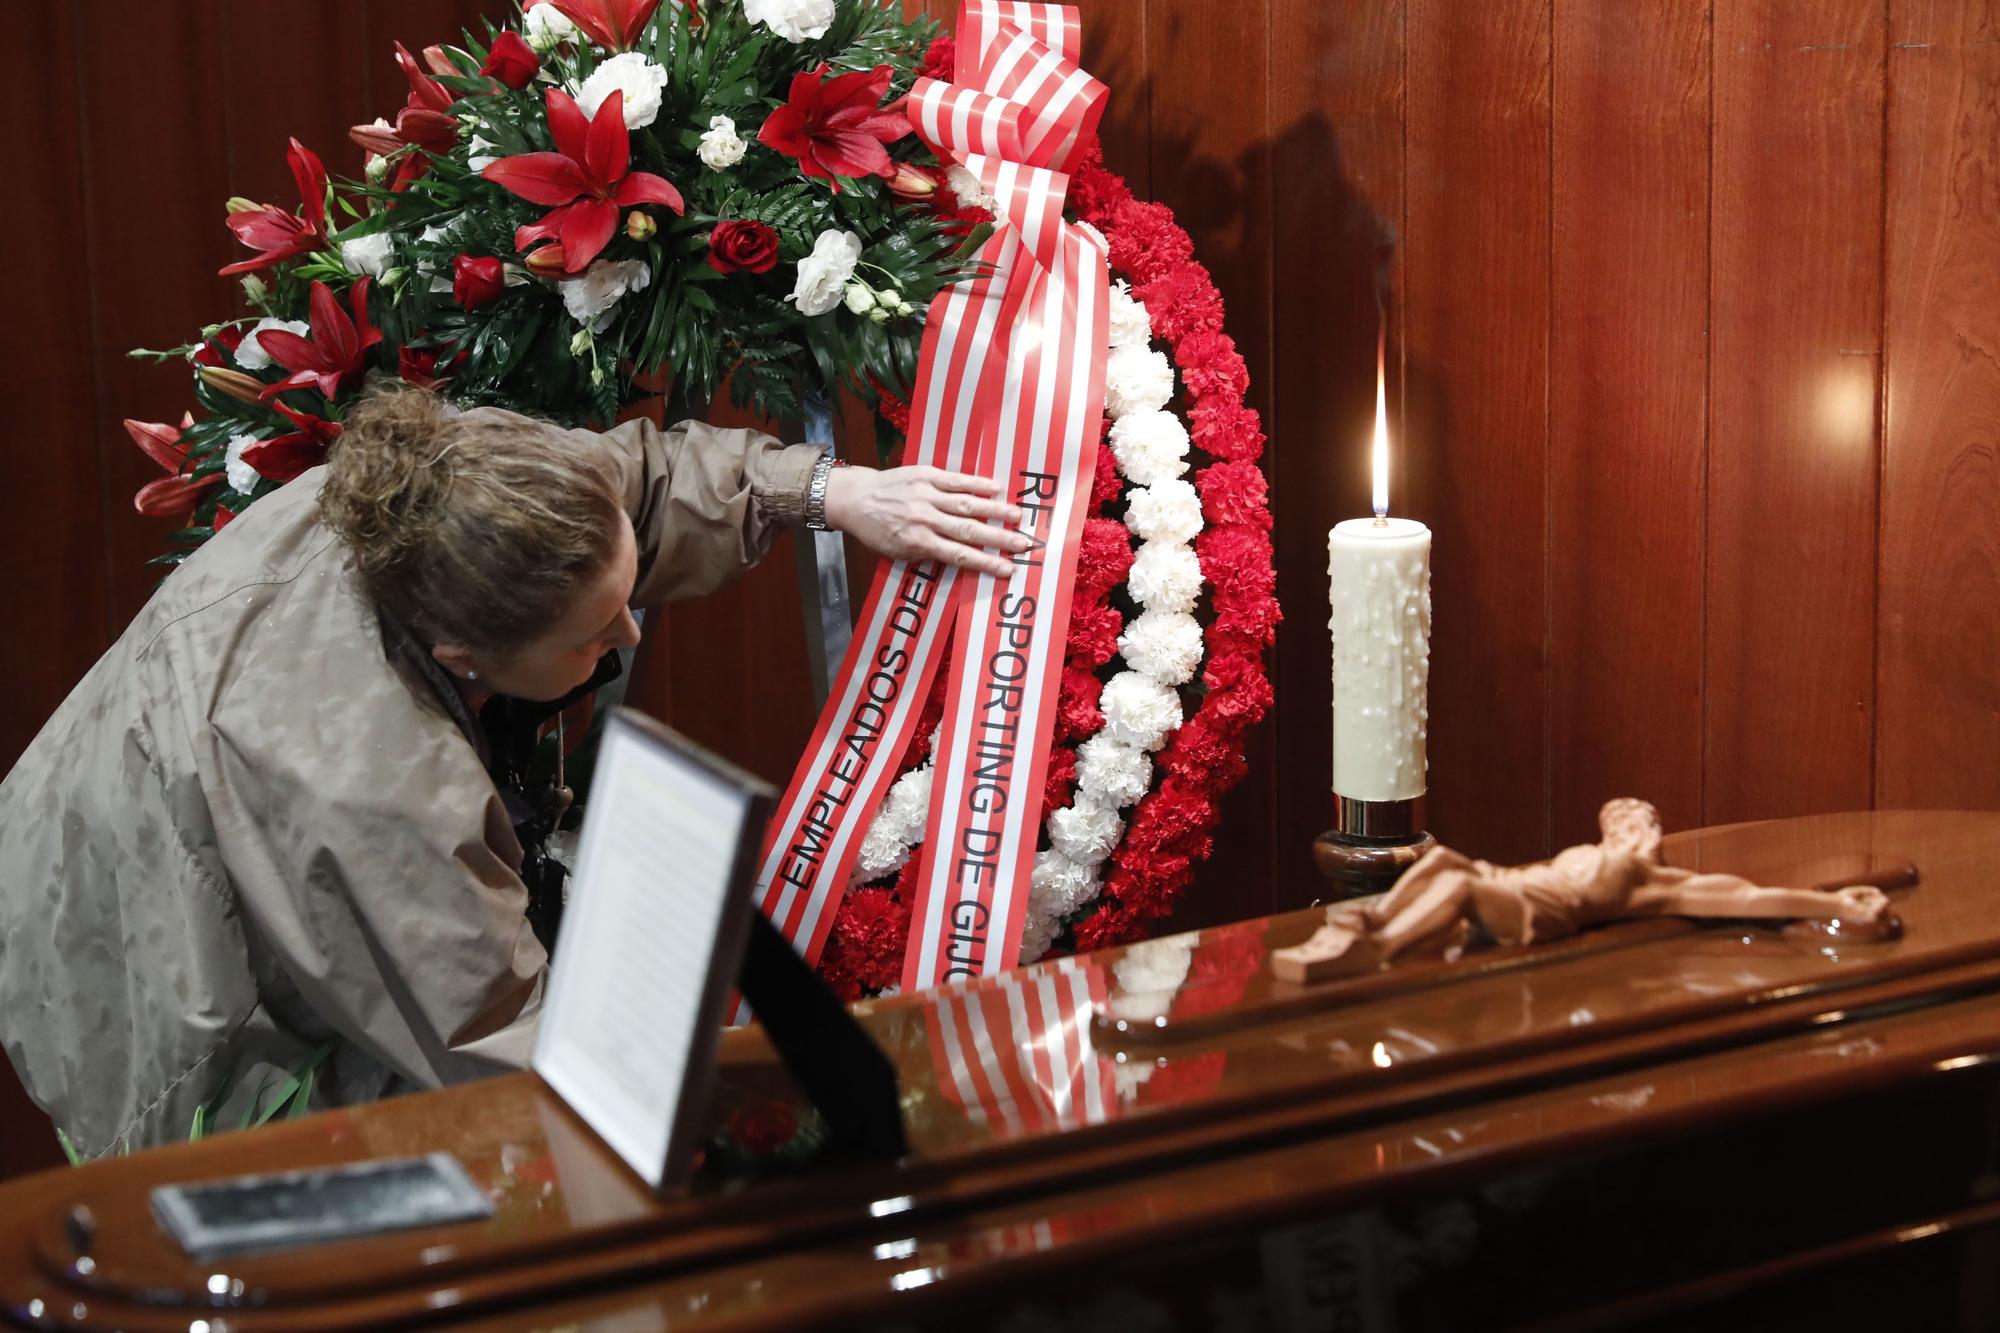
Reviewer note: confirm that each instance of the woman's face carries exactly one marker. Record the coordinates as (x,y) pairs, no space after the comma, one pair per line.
(599,619)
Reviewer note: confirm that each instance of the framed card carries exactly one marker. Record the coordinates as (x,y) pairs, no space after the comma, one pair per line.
(652,941)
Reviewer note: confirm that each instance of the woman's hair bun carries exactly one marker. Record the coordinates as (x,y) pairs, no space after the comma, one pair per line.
(389,475)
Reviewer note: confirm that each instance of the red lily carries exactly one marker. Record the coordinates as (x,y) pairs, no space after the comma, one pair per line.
(425,122)
(338,347)
(837,127)
(585,178)
(279,234)
(612,24)
(285,456)
(426,367)
(176,492)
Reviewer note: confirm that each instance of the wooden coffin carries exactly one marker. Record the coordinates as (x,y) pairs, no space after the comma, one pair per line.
(1658,1123)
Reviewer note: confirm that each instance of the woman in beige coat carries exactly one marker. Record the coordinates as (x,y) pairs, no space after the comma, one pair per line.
(277,819)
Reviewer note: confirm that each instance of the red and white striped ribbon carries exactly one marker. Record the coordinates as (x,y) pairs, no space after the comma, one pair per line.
(1000,361)
(1015,1053)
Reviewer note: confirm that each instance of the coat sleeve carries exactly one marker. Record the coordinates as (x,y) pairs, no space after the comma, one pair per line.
(705,501)
(386,893)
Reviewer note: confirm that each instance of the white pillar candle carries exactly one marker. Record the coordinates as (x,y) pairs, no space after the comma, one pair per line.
(1381,573)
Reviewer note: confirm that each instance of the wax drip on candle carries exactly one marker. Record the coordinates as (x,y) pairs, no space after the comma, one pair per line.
(1380,452)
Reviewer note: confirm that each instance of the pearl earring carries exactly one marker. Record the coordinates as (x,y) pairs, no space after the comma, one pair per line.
(472,675)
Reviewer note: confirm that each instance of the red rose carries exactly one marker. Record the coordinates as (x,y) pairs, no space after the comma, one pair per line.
(512,61)
(940,59)
(475,281)
(742,244)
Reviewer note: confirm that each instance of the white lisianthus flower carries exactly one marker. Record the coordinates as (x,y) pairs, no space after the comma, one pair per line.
(1131,326)
(1138,710)
(367,255)
(965,188)
(1085,832)
(631,73)
(484,153)
(1167,511)
(590,298)
(1137,379)
(242,477)
(547,27)
(1166,645)
(721,147)
(1113,773)
(823,274)
(1165,576)
(859,297)
(250,353)
(1149,446)
(794,20)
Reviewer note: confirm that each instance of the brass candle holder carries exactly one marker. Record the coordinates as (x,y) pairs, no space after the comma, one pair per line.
(1370,844)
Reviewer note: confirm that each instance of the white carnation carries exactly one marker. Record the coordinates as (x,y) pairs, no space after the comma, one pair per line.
(1057,885)
(1130,325)
(1096,236)
(243,478)
(631,73)
(1149,446)
(965,188)
(794,20)
(1166,645)
(250,353)
(1137,379)
(367,255)
(909,803)
(1151,966)
(1165,576)
(591,297)
(1038,932)
(721,146)
(883,848)
(823,274)
(1166,511)
(1139,710)
(547,27)
(1114,773)
(1085,832)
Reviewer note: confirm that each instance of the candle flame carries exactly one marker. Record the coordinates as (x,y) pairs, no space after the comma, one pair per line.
(1381,450)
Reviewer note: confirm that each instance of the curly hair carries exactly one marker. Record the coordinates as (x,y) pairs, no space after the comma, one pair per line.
(468,528)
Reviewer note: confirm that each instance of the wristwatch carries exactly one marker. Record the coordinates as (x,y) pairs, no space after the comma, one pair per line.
(816,491)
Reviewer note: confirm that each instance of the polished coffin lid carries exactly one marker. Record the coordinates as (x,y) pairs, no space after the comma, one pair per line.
(1051,1107)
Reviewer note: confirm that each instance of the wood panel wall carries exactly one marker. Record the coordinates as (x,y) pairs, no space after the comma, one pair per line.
(1694,332)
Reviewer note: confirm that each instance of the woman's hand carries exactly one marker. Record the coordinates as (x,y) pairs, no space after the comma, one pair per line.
(926,513)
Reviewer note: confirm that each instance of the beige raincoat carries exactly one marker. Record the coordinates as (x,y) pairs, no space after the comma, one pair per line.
(249,831)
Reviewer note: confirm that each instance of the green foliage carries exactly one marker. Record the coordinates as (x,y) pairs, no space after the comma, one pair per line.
(702,328)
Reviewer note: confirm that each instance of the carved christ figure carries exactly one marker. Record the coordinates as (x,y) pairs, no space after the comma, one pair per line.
(1617,878)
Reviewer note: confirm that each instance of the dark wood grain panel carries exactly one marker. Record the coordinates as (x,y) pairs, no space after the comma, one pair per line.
(1476,255)
(304,76)
(1337,150)
(1796,315)
(1938,726)
(1211,162)
(1627,409)
(1115,49)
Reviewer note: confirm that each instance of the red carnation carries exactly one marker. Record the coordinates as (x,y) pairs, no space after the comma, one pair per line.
(1239,693)
(512,61)
(743,244)
(1103,557)
(1182,301)
(1077,714)
(1235,492)
(1105,485)
(1226,430)
(475,280)
(1059,787)
(1211,365)
(1236,559)
(1094,626)
(763,1129)
(837,126)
